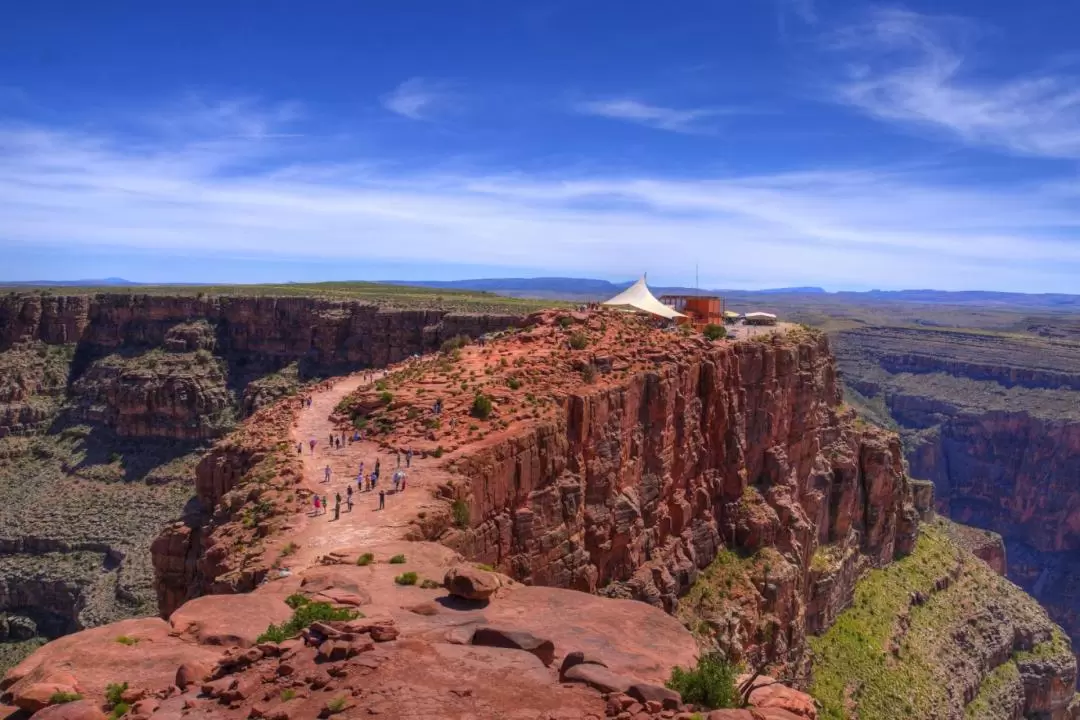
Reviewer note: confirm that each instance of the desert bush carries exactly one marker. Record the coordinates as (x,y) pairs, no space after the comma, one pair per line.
(289,549)
(407,578)
(578,341)
(710,684)
(365,559)
(460,510)
(588,373)
(127,640)
(397,560)
(455,343)
(513,383)
(481,406)
(429,584)
(114,693)
(714,332)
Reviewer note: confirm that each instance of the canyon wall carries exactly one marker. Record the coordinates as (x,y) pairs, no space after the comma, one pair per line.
(635,488)
(994,422)
(163,366)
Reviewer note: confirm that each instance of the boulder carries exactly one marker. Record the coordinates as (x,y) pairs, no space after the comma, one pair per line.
(229,619)
(599,677)
(577,657)
(38,696)
(470,583)
(771,695)
(193,672)
(515,640)
(645,693)
(78,710)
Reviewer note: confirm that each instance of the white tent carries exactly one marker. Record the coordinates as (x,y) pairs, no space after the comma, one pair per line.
(637,296)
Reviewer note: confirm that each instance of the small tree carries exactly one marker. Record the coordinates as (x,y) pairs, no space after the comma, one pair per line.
(579,340)
(481,406)
(714,332)
(460,511)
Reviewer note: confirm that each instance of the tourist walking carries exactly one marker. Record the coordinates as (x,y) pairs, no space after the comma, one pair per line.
(311,444)
(382,499)
(408,457)
(399,458)
(348,498)
(337,506)
(378,464)
(315,501)
(326,474)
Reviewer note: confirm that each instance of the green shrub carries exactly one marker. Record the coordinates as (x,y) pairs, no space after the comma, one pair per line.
(714,332)
(305,612)
(289,549)
(578,341)
(430,584)
(710,684)
(380,384)
(119,710)
(60,698)
(565,321)
(336,705)
(397,560)
(365,559)
(485,566)
(438,452)
(513,383)
(386,397)
(287,694)
(460,511)
(127,640)
(455,343)
(407,578)
(481,407)
(114,693)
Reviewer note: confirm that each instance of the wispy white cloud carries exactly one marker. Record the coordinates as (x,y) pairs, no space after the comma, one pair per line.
(834,228)
(420,99)
(917,70)
(654,116)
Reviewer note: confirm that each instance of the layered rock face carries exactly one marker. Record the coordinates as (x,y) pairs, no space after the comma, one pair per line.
(180,395)
(634,487)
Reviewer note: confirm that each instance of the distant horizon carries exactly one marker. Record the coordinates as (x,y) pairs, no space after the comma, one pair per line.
(121,282)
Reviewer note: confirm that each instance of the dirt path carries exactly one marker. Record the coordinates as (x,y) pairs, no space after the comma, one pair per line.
(319,534)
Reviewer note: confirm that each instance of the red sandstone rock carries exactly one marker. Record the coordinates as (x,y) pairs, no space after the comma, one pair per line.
(229,619)
(193,673)
(645,693)
(78,710)
(36,696)
(771,695)
(470,583)
(515,640)
(599,677)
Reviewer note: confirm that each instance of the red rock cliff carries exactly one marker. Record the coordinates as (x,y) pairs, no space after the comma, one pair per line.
(633,487)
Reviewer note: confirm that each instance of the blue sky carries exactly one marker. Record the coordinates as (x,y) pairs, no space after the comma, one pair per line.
(775,142)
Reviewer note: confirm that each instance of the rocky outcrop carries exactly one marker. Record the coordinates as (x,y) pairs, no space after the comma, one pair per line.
(633,488)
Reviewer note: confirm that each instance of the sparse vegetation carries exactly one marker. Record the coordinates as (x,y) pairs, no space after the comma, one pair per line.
(62,698)
(365,559)
(588,373)
(289,549)
(407,578)
(305,612)
(127,640)
(579,341)
(429,584)
(336,705)
(397,560)
(114,693)
(455,343)
(287,694)
(710,684)
(513,383)
(459,509)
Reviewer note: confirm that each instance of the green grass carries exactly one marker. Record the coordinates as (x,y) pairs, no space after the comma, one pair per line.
(287,694)
(988,703)
(407,578)
(305,612)
(127,640)
(114,693)
(336,705)
(868,663)
(397,560)
(62,698)
(365,559)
